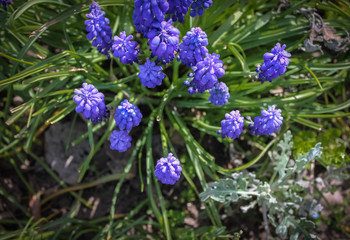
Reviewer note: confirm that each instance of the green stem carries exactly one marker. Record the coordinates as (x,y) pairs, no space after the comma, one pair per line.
(255,160)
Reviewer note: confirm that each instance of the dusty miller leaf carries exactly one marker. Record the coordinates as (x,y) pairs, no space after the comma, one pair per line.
(282,228)
(302,226)
(224,190)
(286,151)
(231,189)
(301,161)
(304,159)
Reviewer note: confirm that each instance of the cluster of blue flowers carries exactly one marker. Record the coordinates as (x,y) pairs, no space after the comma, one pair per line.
(150,75)
(126,117)
(164,41)
(125,49)
(207,67)
(5,3)
(90,102)
(149,14)
(98,29)
(193,47)
(206,74)
(219,94)
(101,33)
(275,63)
(232,126)
(198,6)
(269,122)
(149,18)
(168,170)
(120,140)
(178,9)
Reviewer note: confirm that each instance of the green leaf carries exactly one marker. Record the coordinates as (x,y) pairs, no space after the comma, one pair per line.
(224,28)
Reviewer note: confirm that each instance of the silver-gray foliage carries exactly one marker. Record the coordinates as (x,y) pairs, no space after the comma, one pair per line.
(284,199)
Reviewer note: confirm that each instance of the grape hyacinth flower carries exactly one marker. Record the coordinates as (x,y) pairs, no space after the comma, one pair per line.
(168,170)
(206,74)
(99,31)
(90,102)
(102,116)
(5,2)
(150,74)
(315,211)
(232,126)
(125,49)
(178,9)
(198,5)
(127,116)
(120,140)
(164,41)
(219,94)
(268,122)
(149,14)
(275,63)
(192,49)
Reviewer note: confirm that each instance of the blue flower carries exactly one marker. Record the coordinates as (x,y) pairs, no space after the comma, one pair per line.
(178,9)
(102,116)
(198,5)
(206,74)
(90,102)
(120,140)
(168,170)
(219,94)
(127,116)
(275,63)
(98,29)
(232,126)
(192,49)
(149,14)
(269,121)
(5,2)
(164,41)
(124,49)
(150,74)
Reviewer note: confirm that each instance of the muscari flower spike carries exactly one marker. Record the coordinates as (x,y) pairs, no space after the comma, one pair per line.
(99,31)
(168,170)
(219,94)
(149,14)
(275,63)
(206,74)
(164,41)
(150,74)
(120,140)
(178,9)
(127,116)
(232,126)
(90,102)
(102,116)
(192,49)
(268,122)
(5,2)
(125,49)
(198,5)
